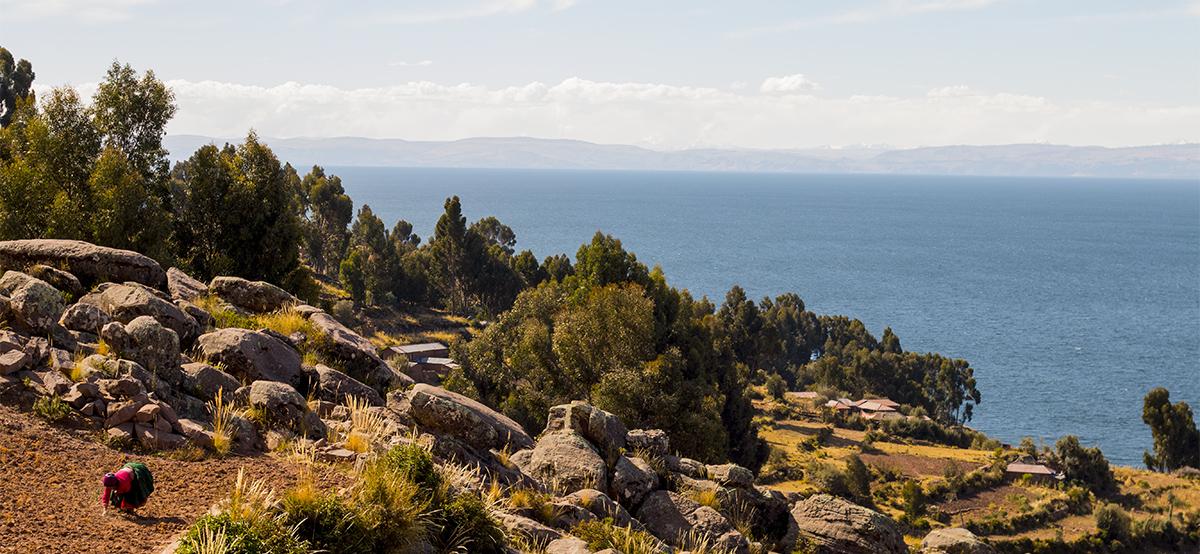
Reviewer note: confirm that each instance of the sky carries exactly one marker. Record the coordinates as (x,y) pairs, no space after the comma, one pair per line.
(667,74)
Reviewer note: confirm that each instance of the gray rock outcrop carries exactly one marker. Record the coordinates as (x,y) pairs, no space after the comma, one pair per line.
(836,526)
(88,262)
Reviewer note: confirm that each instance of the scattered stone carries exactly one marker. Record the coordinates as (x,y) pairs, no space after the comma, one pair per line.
(51,382)
(337,455)
(125,387)
(197,432)
(255,296)
(204,320)
(121,412)
(833,525)
(120,433)
(13,361)
(81,395)
(147,413)
(183,287)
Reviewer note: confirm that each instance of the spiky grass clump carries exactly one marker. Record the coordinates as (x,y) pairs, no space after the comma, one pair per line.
(222,420)
(367,426)
(706,497)
(603,534)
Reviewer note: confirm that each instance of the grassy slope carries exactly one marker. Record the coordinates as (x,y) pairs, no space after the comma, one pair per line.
(1143,493)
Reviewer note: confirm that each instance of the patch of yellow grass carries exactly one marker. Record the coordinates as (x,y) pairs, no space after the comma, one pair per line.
(706,497)
(286,322)
(102,348)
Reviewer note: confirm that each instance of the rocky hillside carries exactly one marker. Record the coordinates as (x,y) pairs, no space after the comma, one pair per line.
(202,376)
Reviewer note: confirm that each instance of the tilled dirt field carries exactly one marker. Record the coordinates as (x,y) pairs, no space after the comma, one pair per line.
(50,489)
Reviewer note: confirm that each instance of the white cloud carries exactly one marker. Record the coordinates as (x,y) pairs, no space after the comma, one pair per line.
(422,63)
(93,11)
(668,116)
(788,84)
(883,10)
(456,10)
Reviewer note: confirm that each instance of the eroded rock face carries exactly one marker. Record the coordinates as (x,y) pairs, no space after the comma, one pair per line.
(251,355)
(335,386)
(465,419)
(602,429)
(183,287)
(566,461)
(88,262)
(651,442)
(954,540)
(255,296)
(836,526)
(127,301)
(282,405)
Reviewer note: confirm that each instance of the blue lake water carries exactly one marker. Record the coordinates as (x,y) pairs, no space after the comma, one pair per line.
(1070,297)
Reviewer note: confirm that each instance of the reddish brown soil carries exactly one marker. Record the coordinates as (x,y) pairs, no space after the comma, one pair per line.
(49,490)
(977,505)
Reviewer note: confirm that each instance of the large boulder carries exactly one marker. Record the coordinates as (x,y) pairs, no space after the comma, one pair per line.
(33,303)
(731,475)
(86,318)
(127,301)
(835,526)
(335,386)
(567,462)
(671,516)
(278,402)
(254,296)
(632,480)
(145,341)
(652,443)
(465,419)
(205,381)
(602,429)
(88,262)
(183,287)
(354,353)
(251,355)
(955,540)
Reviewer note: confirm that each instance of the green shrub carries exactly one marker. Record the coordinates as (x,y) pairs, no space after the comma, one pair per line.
(239,537)
(828,479)
(51,408)
(465,525)
(1113,522)
(325,521)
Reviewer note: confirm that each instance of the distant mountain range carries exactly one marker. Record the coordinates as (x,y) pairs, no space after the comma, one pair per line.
(1166,161)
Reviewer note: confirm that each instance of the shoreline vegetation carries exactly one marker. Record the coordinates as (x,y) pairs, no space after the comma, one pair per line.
(599,350)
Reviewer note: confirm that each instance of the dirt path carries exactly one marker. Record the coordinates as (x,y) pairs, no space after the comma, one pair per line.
(49,490)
